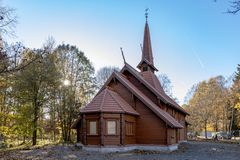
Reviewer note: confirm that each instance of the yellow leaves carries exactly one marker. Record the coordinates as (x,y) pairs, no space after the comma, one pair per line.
(6,117)
(237,106)
(210,127)
(6,130)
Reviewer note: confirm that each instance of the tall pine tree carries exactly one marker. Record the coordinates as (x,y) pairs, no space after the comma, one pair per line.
(237,73)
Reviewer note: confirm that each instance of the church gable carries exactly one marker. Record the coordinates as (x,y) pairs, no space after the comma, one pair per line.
(137,83)
(143,98)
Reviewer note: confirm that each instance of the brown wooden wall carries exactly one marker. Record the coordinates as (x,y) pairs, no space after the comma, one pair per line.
(130,139)
(150,129)
(179,116)
(92,139)
(111,139)
(172,136)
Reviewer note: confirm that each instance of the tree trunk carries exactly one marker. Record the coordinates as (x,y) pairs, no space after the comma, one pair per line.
(205,127)
(35,119)
(216,125)
(24,139)
(231,122)
(34,136)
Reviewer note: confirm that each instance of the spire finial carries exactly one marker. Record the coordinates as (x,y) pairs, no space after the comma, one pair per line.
(123,55)
(146,13)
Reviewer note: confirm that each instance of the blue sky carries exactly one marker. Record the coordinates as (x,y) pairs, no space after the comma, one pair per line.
(191,40)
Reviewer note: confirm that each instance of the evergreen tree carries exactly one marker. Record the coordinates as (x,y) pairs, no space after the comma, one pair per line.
(237,73)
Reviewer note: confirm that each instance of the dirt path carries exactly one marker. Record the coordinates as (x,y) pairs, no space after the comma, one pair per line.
(187,151)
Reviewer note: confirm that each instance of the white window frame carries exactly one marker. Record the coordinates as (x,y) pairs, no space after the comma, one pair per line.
(93,131)
(113,129)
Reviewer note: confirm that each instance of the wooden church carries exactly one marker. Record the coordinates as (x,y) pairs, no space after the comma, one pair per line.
(132,109)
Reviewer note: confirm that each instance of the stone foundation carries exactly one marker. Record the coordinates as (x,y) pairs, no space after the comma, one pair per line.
(127,148)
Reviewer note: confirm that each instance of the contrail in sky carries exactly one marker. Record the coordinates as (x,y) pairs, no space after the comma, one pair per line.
(196,55)
(199,59)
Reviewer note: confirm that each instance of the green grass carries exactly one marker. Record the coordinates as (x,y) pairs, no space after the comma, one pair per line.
(18,145)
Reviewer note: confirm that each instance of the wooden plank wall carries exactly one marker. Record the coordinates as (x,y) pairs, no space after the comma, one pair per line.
(149,128)
(112,139)
(131,139)
(172,136)
(173,112)
(93,139)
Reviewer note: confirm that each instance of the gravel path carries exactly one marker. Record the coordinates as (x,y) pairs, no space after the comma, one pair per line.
(187,151)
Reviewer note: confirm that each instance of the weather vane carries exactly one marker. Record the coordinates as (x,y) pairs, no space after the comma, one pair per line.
(146,13)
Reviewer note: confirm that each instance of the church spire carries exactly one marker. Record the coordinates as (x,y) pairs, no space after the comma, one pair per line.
(147,56)
(147,48)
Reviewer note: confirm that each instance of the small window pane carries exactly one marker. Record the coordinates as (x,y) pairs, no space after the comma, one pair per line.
(145,68)
(129,128)
(111,127)
(93,127)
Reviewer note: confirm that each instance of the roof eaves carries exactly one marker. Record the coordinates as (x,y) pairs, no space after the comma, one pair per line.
(154,109)
(146,61)
(133,71)
(120,104)
(159,95)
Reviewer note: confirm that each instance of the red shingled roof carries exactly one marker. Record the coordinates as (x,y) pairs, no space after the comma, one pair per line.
(108,101)
(151,78)
(153,86)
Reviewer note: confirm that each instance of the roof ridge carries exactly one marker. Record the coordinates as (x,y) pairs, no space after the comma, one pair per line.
(160,95)
(151,77)
(116,100)
(103,98)
(144,79)
(155,81)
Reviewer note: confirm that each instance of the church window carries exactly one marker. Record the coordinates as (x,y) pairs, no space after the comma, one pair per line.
(145,68)
(129,126)
(92,127)
(111,127)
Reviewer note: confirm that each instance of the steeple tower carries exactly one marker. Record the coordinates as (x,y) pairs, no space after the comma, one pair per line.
(146,63)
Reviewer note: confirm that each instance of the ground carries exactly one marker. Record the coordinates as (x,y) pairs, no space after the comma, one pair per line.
(187,151)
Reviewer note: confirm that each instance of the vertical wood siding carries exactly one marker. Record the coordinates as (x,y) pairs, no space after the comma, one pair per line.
(131,139)
(150,129)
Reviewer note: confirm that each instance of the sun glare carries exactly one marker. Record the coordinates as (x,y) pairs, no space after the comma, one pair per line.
(66,82)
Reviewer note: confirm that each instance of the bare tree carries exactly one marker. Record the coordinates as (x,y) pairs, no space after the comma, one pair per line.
(166,84)
(190,93)
(12,55)
(234,7)
(8,20)
(9,54)
(103,74)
